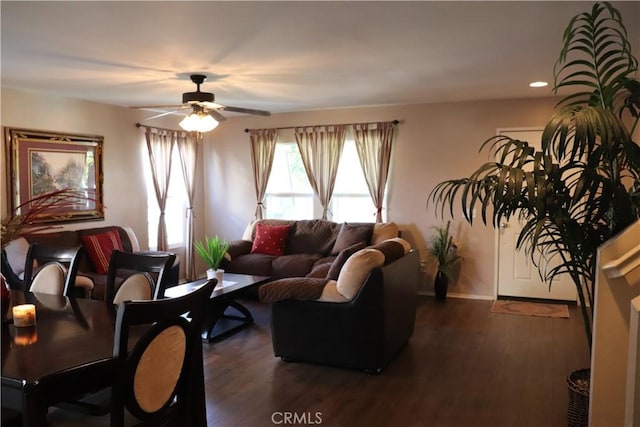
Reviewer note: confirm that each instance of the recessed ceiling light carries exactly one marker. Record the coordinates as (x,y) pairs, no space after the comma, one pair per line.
(538,84)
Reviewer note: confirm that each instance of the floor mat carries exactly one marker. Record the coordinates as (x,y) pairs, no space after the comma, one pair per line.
(530,308)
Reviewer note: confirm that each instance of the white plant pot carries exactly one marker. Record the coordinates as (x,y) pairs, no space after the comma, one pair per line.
(211,273)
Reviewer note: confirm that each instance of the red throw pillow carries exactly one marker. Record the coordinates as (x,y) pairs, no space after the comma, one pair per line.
(270,239)
(99,247)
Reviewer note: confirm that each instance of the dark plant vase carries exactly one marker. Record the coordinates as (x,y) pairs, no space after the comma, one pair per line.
(440,285)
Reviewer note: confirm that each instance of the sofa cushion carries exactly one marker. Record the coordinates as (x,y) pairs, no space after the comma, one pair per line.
(315,236)
(100,246)
(343,256)
(298,265)
(300,288)
(384,231)
(257,264)
(356,269)
(270,239)
(392,249)
(330,293)
(320,269)
(351,234)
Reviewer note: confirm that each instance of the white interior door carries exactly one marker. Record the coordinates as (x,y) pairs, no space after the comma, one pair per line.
(517,276)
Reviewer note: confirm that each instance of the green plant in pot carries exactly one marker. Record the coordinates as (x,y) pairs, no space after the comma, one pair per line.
(442,248)
(212,250)
(583,186)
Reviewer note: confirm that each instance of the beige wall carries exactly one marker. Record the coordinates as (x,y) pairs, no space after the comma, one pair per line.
(124,150)
(434,142)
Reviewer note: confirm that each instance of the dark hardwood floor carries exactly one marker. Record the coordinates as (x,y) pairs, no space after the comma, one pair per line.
(464,366)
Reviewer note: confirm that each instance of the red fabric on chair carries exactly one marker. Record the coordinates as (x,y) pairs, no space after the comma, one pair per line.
(270,239)
(99,247)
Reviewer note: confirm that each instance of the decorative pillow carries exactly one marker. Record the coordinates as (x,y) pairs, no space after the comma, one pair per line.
(300,288)
(343,256)
(392,249)
(356,270)
(99,247)
(384,231)
(320,270)
(350,235)
(270,239)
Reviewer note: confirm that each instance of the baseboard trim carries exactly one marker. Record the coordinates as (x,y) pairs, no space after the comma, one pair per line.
(459,295)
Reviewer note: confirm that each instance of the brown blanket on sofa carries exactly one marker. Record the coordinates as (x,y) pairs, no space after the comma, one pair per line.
(300,288)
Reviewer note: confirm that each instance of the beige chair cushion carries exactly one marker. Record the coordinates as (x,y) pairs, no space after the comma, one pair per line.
(383,231)
(136,287)
(165,354)
(49,279)
(16,251)
(356,270)
(330,293)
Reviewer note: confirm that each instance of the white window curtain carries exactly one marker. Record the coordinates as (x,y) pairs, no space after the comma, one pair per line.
(263,146)
(188,150)
(374,143)
(160,144)
(320,148)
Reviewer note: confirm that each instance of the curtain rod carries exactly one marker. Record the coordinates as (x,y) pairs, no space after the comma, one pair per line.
(395,122)
(139,125)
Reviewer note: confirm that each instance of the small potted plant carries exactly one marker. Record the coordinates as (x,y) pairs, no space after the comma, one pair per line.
(212,250)
(445,251)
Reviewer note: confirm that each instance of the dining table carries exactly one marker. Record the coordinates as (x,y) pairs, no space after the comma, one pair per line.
(66,354)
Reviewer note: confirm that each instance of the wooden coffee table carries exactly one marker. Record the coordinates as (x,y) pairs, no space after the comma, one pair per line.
(225,315)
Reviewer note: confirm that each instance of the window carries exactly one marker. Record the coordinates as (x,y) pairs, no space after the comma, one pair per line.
(290,196)
(351,201)
(175,210)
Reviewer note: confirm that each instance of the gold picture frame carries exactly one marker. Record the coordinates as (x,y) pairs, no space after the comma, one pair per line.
(40,162)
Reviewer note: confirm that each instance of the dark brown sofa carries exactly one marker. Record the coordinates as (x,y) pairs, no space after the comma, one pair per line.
(363,333)
(73,238)
(311,246)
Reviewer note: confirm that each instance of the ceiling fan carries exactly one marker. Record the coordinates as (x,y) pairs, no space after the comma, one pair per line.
(205,113)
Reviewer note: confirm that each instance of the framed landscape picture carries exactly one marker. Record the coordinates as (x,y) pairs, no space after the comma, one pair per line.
(41,163)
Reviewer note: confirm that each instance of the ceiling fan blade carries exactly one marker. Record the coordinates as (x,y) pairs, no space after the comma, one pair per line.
(246,110)
(216,115)
(210,105)
(162,114)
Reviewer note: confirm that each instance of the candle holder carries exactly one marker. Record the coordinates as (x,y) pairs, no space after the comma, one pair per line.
(26,335)
(24,315)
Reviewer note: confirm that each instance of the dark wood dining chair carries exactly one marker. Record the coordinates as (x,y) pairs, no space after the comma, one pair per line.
(154,267)
(159,380)
(54,270)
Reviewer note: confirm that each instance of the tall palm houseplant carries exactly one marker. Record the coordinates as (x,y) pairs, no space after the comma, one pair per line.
(583,186)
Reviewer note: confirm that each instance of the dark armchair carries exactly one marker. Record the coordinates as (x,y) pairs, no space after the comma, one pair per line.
(364,333)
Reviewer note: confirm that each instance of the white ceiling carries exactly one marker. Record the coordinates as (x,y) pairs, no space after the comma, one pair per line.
(288,56)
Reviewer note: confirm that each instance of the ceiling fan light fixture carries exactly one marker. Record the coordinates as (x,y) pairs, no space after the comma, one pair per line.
(198,122)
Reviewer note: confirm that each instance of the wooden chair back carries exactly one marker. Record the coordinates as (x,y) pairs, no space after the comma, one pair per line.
(160,380)
(157,265)
(42,254)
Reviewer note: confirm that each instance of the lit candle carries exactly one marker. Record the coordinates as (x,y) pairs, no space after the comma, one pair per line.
(24,315)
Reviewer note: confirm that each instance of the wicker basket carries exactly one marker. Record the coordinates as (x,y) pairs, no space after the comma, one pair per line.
(578,383)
